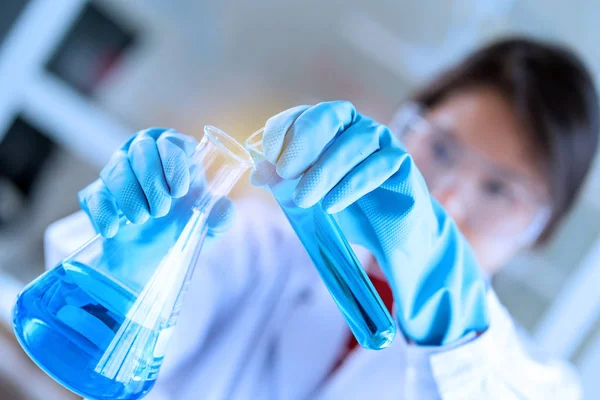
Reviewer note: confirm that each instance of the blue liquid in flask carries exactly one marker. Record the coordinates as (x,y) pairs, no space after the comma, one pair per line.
(102,331)
(66,322)
(99,322)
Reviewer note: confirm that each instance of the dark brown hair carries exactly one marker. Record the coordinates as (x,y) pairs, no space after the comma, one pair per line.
(554,96)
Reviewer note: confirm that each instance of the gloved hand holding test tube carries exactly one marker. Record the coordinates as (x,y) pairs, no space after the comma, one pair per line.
(330,252)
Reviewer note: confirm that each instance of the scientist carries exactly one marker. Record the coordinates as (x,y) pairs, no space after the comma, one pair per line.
(483,162)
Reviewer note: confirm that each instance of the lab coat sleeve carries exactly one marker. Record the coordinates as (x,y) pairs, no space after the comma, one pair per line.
(495,365)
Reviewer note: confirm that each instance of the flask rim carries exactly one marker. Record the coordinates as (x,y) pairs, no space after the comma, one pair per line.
(234,148)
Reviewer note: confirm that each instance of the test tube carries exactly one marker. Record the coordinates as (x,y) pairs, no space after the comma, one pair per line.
(333,257)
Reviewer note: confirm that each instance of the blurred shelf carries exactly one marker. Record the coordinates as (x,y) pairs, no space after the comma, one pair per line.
(27,46)
(76,123)
(43,36)
(575,308)
(545,271)
(9,13)
(525,304)
(562,281)
(23,138)
(90,49)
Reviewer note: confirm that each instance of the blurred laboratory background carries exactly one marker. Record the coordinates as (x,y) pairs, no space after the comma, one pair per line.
(77,77)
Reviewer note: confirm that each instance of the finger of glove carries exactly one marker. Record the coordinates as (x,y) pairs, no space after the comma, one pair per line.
(100,206)
(152,132)
(221,217)
(366,177)
(185,142)
(146,164)
(175,151)
(122,183)
(275,131)
(347,151)
(310,134)
(260,176)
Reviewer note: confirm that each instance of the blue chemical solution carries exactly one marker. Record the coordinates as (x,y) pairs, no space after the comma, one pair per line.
(99,323)
(71,318)
(344,277)
(338,266)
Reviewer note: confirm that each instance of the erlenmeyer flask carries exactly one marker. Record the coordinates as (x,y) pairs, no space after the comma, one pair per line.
(99,322)
(330,252)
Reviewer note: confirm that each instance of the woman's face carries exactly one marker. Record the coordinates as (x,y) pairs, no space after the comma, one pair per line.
(478,163)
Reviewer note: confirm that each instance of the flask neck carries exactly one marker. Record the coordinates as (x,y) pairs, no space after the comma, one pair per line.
(217,164)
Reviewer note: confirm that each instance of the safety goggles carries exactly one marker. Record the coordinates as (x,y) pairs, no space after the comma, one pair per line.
(489,198)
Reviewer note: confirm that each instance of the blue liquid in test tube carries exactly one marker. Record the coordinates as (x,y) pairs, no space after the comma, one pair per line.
(330,252)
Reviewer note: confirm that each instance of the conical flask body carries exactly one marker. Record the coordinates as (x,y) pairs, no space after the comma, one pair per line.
(100,321)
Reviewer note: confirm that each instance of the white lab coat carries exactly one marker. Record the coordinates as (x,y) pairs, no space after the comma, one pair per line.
(258,323)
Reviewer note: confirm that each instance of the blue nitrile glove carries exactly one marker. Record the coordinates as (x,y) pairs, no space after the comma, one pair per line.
(359,170)
(141,180)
